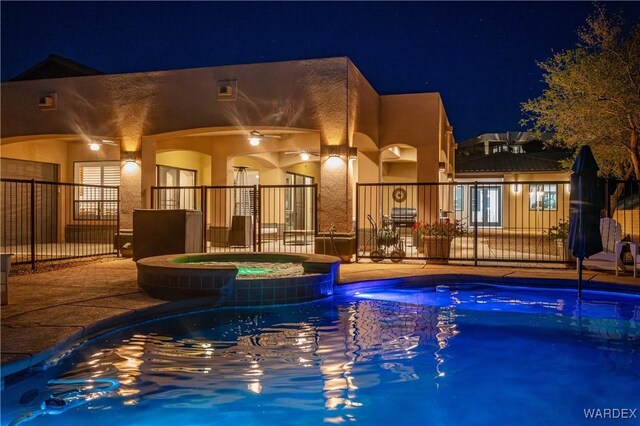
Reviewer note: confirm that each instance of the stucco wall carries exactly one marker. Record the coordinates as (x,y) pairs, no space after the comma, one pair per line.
(516,213)
(279,94)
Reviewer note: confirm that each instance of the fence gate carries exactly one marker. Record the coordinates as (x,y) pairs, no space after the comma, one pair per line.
(260,218)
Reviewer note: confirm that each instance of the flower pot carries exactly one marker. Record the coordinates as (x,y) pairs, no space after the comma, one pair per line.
(563,251)
(436,247)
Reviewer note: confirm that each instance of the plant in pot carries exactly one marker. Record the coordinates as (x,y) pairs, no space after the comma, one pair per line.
(559,233)
(436,237)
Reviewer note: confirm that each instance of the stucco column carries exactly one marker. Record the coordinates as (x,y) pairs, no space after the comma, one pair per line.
(130,189)
(219,200)
(428,196)
(148,165)
(335,214)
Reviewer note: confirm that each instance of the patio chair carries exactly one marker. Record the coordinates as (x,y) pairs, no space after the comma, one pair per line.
(609,257)
(634,248)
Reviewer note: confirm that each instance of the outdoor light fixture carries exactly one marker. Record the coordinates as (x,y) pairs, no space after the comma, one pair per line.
(255,138)
(442,166)
(96,144)
(130,164)
(333,151)
(304,156)
(353,153)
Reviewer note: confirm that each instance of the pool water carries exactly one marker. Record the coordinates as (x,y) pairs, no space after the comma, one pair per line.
(465,355)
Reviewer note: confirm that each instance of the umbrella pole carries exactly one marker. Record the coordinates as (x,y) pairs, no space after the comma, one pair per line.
(580,277)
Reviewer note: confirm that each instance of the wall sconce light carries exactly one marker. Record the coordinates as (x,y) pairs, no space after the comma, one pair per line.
(304,156)
(333,151)
(353,153)
(442,166)
(94,146)
(130,163)
(516,188)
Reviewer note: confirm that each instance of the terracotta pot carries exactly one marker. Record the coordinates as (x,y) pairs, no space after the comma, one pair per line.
(436,247)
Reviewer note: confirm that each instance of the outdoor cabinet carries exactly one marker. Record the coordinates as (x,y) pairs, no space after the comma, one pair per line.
(5,267)
(241,231)
(158,232)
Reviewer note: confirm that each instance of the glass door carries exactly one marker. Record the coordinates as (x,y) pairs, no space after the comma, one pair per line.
(298,213)
(488,206)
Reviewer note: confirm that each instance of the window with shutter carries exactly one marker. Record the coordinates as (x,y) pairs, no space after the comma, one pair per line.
(96,196)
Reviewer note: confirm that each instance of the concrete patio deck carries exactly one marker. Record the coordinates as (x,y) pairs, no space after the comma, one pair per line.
(50,311)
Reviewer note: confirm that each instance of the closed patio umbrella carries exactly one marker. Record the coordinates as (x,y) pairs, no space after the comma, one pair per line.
(584,217)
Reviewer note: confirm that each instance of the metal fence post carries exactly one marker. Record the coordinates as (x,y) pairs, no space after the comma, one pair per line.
(33,224)
(153,197)
(118,247)
(475,223)
(203,209)
(357,220)
(256,218)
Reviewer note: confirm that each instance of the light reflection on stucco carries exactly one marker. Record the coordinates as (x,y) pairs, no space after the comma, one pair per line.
(131,98)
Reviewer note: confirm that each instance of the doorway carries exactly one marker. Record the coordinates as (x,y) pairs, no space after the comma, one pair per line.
(488,207)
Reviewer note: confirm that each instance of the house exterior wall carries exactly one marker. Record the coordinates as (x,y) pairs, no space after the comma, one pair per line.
(178,118)
(516,214)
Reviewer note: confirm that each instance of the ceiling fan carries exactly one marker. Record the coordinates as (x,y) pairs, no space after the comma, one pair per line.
(255,137)
(96,144)
(304,155)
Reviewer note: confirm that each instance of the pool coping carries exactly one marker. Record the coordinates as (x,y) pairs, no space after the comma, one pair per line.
(131,317)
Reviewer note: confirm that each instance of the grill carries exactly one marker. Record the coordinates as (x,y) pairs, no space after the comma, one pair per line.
(403,217)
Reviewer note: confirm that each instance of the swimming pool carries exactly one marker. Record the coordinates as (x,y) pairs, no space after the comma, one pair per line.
(459,355)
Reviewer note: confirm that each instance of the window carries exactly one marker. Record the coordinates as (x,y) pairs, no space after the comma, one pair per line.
(458,198)
(543,197)
(517,149)
(175,198)
(97,197)
(499,147)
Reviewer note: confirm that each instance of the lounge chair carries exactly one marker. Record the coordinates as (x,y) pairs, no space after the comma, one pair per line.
(609,257)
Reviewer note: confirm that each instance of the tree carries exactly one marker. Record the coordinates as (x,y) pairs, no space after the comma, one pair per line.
(593,96)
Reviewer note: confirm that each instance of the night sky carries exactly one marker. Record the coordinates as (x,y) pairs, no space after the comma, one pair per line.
(480,56)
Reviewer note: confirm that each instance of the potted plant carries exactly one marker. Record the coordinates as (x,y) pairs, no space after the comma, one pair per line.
(436,237)
(559,233)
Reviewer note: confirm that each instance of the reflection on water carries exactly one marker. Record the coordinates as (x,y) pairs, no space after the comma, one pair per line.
(358,358)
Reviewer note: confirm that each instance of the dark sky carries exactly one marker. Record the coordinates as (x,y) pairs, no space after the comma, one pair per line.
(480,56)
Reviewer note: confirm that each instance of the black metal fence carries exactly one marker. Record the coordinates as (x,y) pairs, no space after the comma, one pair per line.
(260,218)
(44,221)
(478,222)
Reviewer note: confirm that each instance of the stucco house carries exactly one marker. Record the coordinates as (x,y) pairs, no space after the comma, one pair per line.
(297,122)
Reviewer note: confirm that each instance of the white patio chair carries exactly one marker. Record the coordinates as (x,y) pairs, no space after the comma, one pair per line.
(609,257)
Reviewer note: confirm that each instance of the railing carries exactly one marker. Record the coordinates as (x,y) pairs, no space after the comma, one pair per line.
(258,218)
(469,222)
(480,222)
(45,221)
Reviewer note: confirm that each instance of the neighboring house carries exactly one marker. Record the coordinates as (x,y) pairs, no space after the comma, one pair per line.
(67,122)
(494,158)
